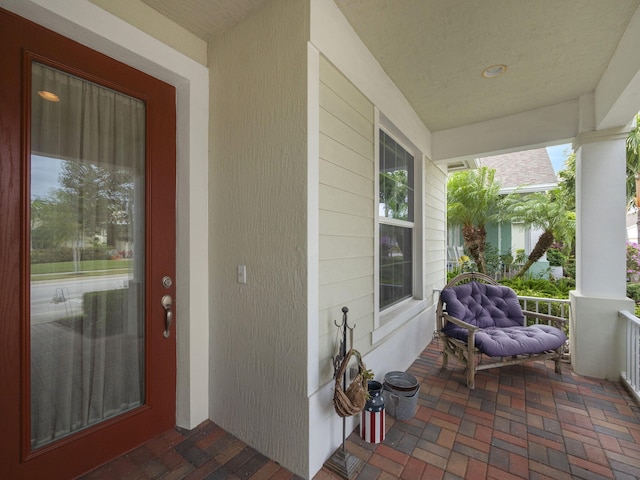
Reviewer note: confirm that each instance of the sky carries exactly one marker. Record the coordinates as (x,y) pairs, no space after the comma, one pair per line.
(44,175)
(558,154)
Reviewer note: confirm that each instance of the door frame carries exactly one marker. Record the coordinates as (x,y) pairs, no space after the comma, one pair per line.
(90,25)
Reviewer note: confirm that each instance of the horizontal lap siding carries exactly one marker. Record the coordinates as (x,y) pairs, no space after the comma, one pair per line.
(435,233)
(346,212)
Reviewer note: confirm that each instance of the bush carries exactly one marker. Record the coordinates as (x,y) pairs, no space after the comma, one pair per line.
(633,291)
(491,259)
(569,269)
(556,257)
(96,252)
(521,257)
(633,258)
(541,287)
(65,254)
(536,287)
(52,255)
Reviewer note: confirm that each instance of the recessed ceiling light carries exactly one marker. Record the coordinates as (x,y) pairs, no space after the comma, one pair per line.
(494,71)
(49,96)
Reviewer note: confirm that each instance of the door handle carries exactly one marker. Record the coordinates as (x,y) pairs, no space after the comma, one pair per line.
(166,302)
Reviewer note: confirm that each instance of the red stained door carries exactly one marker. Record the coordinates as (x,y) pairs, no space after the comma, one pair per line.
(87,255)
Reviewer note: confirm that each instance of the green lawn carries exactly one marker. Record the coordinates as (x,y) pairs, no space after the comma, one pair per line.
(87,267)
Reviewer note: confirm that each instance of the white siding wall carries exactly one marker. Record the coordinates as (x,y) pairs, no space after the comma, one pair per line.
(347,213)
(346,216)
(349,90)
(435,231)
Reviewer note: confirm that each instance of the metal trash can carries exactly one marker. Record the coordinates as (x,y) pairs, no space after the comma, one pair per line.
(400,391)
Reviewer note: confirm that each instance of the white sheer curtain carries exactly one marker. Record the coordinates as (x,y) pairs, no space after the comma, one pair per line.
(87,359)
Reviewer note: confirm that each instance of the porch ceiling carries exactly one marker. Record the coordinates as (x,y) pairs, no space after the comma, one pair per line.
(435,51)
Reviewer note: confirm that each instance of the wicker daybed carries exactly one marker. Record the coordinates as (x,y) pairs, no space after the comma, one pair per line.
(479,318)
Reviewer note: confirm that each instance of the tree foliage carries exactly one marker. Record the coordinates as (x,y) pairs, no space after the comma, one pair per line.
(52,223)
(566,191)
(394,191)
(544,211)
(90,202)
(633,168)
(474,202)
(633,160)
(473,198)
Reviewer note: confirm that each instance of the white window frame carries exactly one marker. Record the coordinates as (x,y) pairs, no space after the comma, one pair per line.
(386,321)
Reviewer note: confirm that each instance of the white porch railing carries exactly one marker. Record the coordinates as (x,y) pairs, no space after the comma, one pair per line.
(631,376)
(559,307)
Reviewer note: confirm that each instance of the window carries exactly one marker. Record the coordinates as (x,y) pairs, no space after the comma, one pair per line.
(396,219)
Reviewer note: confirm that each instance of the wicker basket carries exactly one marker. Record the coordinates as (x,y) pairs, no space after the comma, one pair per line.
(352,401)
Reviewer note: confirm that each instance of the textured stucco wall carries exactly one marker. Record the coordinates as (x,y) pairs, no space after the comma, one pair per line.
(258,218)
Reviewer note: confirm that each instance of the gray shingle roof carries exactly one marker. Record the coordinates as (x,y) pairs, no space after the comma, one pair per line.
(527,168)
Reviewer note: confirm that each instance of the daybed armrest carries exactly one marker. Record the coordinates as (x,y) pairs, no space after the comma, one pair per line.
(558,321)
(460,323)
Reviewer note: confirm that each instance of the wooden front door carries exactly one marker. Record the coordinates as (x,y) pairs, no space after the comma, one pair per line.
(87,255)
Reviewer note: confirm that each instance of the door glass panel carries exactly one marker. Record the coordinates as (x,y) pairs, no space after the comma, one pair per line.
(87,197)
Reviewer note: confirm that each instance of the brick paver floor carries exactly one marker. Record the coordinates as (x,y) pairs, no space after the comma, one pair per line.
(519,422)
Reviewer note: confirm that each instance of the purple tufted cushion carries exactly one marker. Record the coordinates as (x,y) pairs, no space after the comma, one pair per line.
(483,305)
(496,311)
(507,341)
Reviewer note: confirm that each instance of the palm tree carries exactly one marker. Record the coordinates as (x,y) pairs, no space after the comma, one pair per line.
(543,211)
(633,168)
(472,202)
(566,191)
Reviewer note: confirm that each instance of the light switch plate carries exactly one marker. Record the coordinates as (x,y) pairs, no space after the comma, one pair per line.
(242,274)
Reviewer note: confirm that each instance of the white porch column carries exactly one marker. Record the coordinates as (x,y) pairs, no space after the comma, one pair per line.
(596,333)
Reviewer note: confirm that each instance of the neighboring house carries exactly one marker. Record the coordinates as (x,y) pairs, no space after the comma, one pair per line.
(523,172)
(286,118)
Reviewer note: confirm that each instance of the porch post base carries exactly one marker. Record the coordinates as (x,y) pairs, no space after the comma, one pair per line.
(597,335)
